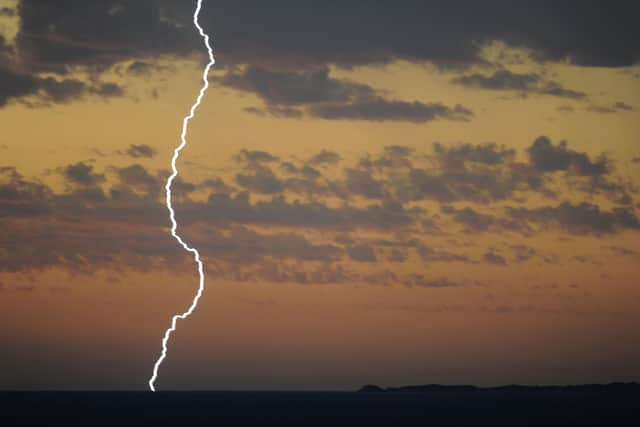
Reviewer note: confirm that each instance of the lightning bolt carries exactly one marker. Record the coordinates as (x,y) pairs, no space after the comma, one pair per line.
(172,215)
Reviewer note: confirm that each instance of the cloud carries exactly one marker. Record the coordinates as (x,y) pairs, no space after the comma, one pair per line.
(16,85)
(428,253)
(63,90)
(90,34)
(82,173)
(494,258)
(621,251)
(476,222)
(108,90)
(255,156)
(450,34)
(137,177)
(615,108)
(456,156)
(380,109)
(140,68)
(420,280)
(20,197)
(319,95)
(362,253)
(623,106)
(547,157)
(116,219)
(362,183)
(295,88)
(479,173)
(583,218)
(278,211)
(325,157)
(527,83)
(277,112)
(7,11)
(260,182)
(499,80)
(140,151)
(74,32)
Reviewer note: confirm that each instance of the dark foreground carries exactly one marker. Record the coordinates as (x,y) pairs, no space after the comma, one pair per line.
(515,407)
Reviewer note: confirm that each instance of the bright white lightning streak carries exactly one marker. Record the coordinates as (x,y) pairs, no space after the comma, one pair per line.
(172,215)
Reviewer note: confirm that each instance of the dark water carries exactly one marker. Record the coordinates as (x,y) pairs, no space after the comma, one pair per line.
(433,408)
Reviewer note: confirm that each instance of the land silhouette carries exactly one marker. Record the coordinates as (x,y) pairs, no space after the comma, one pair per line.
(418,405)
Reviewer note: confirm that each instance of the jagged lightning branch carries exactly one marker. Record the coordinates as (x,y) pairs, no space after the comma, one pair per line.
(172,215)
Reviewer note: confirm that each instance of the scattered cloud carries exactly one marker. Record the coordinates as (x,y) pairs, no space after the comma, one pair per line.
(528,83)
(583,218)
(140,151)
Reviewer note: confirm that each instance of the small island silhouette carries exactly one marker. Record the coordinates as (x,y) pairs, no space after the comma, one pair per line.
(617,387)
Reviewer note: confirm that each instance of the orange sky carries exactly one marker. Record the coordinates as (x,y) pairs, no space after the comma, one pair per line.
(504,256)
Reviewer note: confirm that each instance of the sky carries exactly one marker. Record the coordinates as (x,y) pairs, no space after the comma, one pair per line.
(392,193)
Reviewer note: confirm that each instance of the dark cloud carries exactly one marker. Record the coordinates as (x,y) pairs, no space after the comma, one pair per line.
(475,222)
(5,49)
(582,218)
(547,157)
(397,255)
(277,112)
(243,245)
(325,157)
(448,186)
(20,197)
(380,109)
(328,98)
(137,177)
(15,85)
(265,183)
(278,211)
(494,258)
(555,89)
(362,183)
(75,32)
(108,90)
(295,88)
(621,251)
(7,11)
(140,151)
(417,279)
(478,173)
(615,108)
(255,156)
(140,68)
(248,235)
(623,106)
(83,174)
(63,90)
(362,253)
(448,33)
(523,252)
(295,34)
(527,83)
(428,253)
(499,80)
(454,157)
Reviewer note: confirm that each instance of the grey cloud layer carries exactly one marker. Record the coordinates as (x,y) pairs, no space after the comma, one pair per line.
(306,32)
(291,94)
(306,35)
(525,83)
(315,225)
